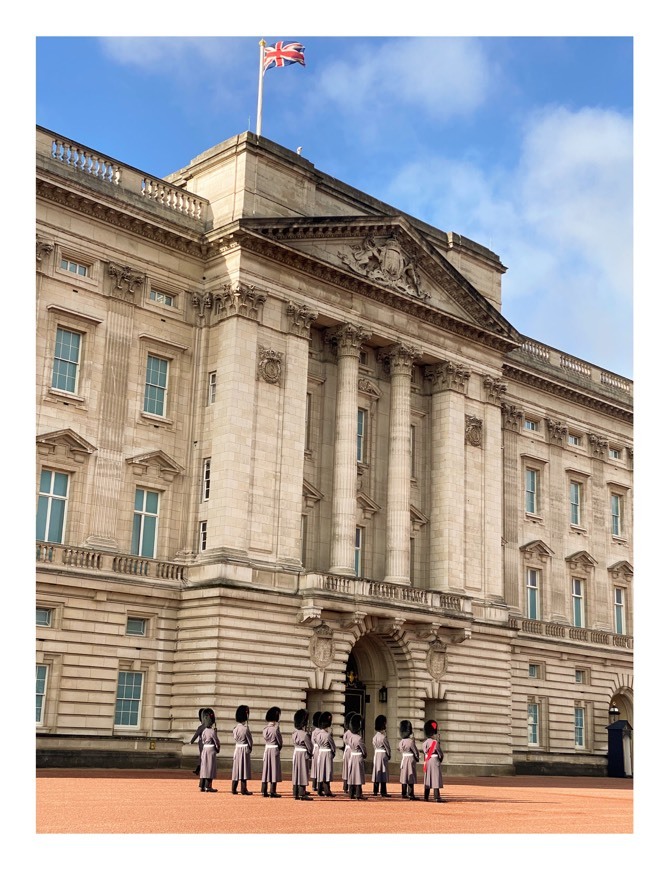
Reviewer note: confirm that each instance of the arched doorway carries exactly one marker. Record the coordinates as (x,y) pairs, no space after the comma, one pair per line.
(624,702)
(371,683)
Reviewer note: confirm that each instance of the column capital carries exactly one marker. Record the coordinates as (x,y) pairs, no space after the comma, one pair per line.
(512,417)
(399,357)
(448,376)
(300,319)
(347,338)
(495,388)
(557,431)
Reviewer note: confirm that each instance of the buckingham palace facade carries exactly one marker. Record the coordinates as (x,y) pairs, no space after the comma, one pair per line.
(290,452)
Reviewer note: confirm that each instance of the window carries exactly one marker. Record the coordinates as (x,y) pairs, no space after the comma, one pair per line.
(155,388)
(51,506)
(203,536)
(361,448)
(579,727)
(533,724)
(359,540)
(532,425)
(307,422)
(162,298)
(531,491)
(66,355)
(579,676)
(533,671)
(616,514)
(136,626)
(211,393)
(412,432)
(145,523)
(363,358)
(619,610)
(303,539)
(128,699)
(75,268)
(43,616)
(614,453)
(578,606)
(42,672)
(574,440)
(206,479)
(575,502)
(532,586)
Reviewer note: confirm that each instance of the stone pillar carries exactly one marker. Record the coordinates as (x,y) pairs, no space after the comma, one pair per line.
(512,418)
(559,597)
(398,508)
(449,384)
(491,529)
(348,340)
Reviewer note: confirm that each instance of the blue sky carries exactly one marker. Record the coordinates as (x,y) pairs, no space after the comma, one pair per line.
(523,144)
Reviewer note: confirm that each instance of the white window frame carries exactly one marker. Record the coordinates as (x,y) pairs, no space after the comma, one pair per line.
(617,503)
(57,360)
(129,702)
(206,478)
(162,390)
(162,297)
(533,592)
(78,267)
(532,475)
(361,445)
(533,723)
(575,502)
(534,671)
(530,425)
(359,547)
(202,536)
(574,440)
(619,610)
(49,617)
(142,515)
(579,676)
(211,388)
(145,626)
(578,602)
(615,453)
(39,720)
(50,497)
(579,726)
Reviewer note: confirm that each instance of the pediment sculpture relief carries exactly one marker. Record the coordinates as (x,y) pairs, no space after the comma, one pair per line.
(385,263)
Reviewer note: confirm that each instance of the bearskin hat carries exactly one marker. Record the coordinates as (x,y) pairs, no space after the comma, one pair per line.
(430,728)
(325,721)
(207,719)
(272,715)
(199,713)
(356,723)
(380,723)
(316,721)
(406,729)
(242,713)
(347,719)
(300,719)
(207,711)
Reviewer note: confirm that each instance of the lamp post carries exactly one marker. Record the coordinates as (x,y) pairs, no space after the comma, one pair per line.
(383,695)
(614,714)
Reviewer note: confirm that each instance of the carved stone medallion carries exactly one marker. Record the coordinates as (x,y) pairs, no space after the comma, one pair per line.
(269,365)
(473,430)
(436,659)
(321,646)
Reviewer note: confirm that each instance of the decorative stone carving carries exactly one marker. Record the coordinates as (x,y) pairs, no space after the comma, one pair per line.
(369,389)
(630,454)
(448,376)
(201,301)
(581,561)
(621,572)
(473,430)
(495,388)
(385,263)
(124,279)
(300,319)
(43,249)
(269,365)
(321,646)
(347,338)
(536,552)
(557,431)
(244,300)
(399,358)
(599,446)
(512,417)
(435,661)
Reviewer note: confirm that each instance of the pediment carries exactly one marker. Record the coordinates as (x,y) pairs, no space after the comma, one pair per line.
(155,460)
(622,570)
(69,440)
(581,559)
(310,494)
(537,548)
(367,505)
(418,518)
(387,253)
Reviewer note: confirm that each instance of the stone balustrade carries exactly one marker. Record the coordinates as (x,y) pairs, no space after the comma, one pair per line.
(570,632)
(87,163)
(379,592)
(549,356)
(81,558)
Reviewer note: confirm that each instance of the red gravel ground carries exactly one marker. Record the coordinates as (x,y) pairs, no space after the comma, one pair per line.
(169,802)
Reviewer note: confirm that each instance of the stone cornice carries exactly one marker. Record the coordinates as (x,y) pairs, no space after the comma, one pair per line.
(567,391)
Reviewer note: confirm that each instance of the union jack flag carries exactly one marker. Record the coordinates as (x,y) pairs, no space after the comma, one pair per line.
(283,54)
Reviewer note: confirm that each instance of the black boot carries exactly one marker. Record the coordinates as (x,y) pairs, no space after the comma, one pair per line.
(244,788)
(352,790)
(427,794)
(202,785)
(327,789)
(319,790)
(272,790)
(234,786)
(359,795)
(210,785)
(412,796)
(405,796)
(384,790)
(345,786)
(303,793)
(376,788)
(438,798)
(295,790)
(263,789)
(197,770)
(314,785)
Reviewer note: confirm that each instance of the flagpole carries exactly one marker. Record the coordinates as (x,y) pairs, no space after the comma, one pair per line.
(262,44)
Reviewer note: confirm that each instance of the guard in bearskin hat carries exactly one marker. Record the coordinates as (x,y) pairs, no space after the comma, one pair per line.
(302,752)
(241,760)
(210,749)
(346,758)
(432,778)
(198,732)
(410,756)
(314,758)
(326,750)
(271,760)
(381,757)
(356,772)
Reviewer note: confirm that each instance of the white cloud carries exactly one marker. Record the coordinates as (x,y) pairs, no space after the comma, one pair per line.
(170,54)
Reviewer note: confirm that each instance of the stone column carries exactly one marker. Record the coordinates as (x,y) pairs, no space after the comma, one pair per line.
(449,384)
(512,418)
(558,599)
(398,508)
(348,340)
(492,525)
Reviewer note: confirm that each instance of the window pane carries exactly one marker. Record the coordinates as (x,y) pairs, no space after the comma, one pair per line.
(152,502)
(149,537)
(136,532)
(56,521)
(42,513)
(42,616)
(45,481)
(60,484)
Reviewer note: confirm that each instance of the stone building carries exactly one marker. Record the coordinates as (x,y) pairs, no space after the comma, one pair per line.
(290,452)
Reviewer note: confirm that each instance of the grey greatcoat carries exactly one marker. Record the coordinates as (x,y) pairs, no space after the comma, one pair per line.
(314,757)
(432,777)
(381,757)
(356,772)
(346,759)
(241,760)
(302,752)
(410,755)
(326,751)
(210,748)
(271,760)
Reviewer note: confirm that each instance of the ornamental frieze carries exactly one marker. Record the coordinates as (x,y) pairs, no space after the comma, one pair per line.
(448,376)
(269,365)
(385,263)
(473,430)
